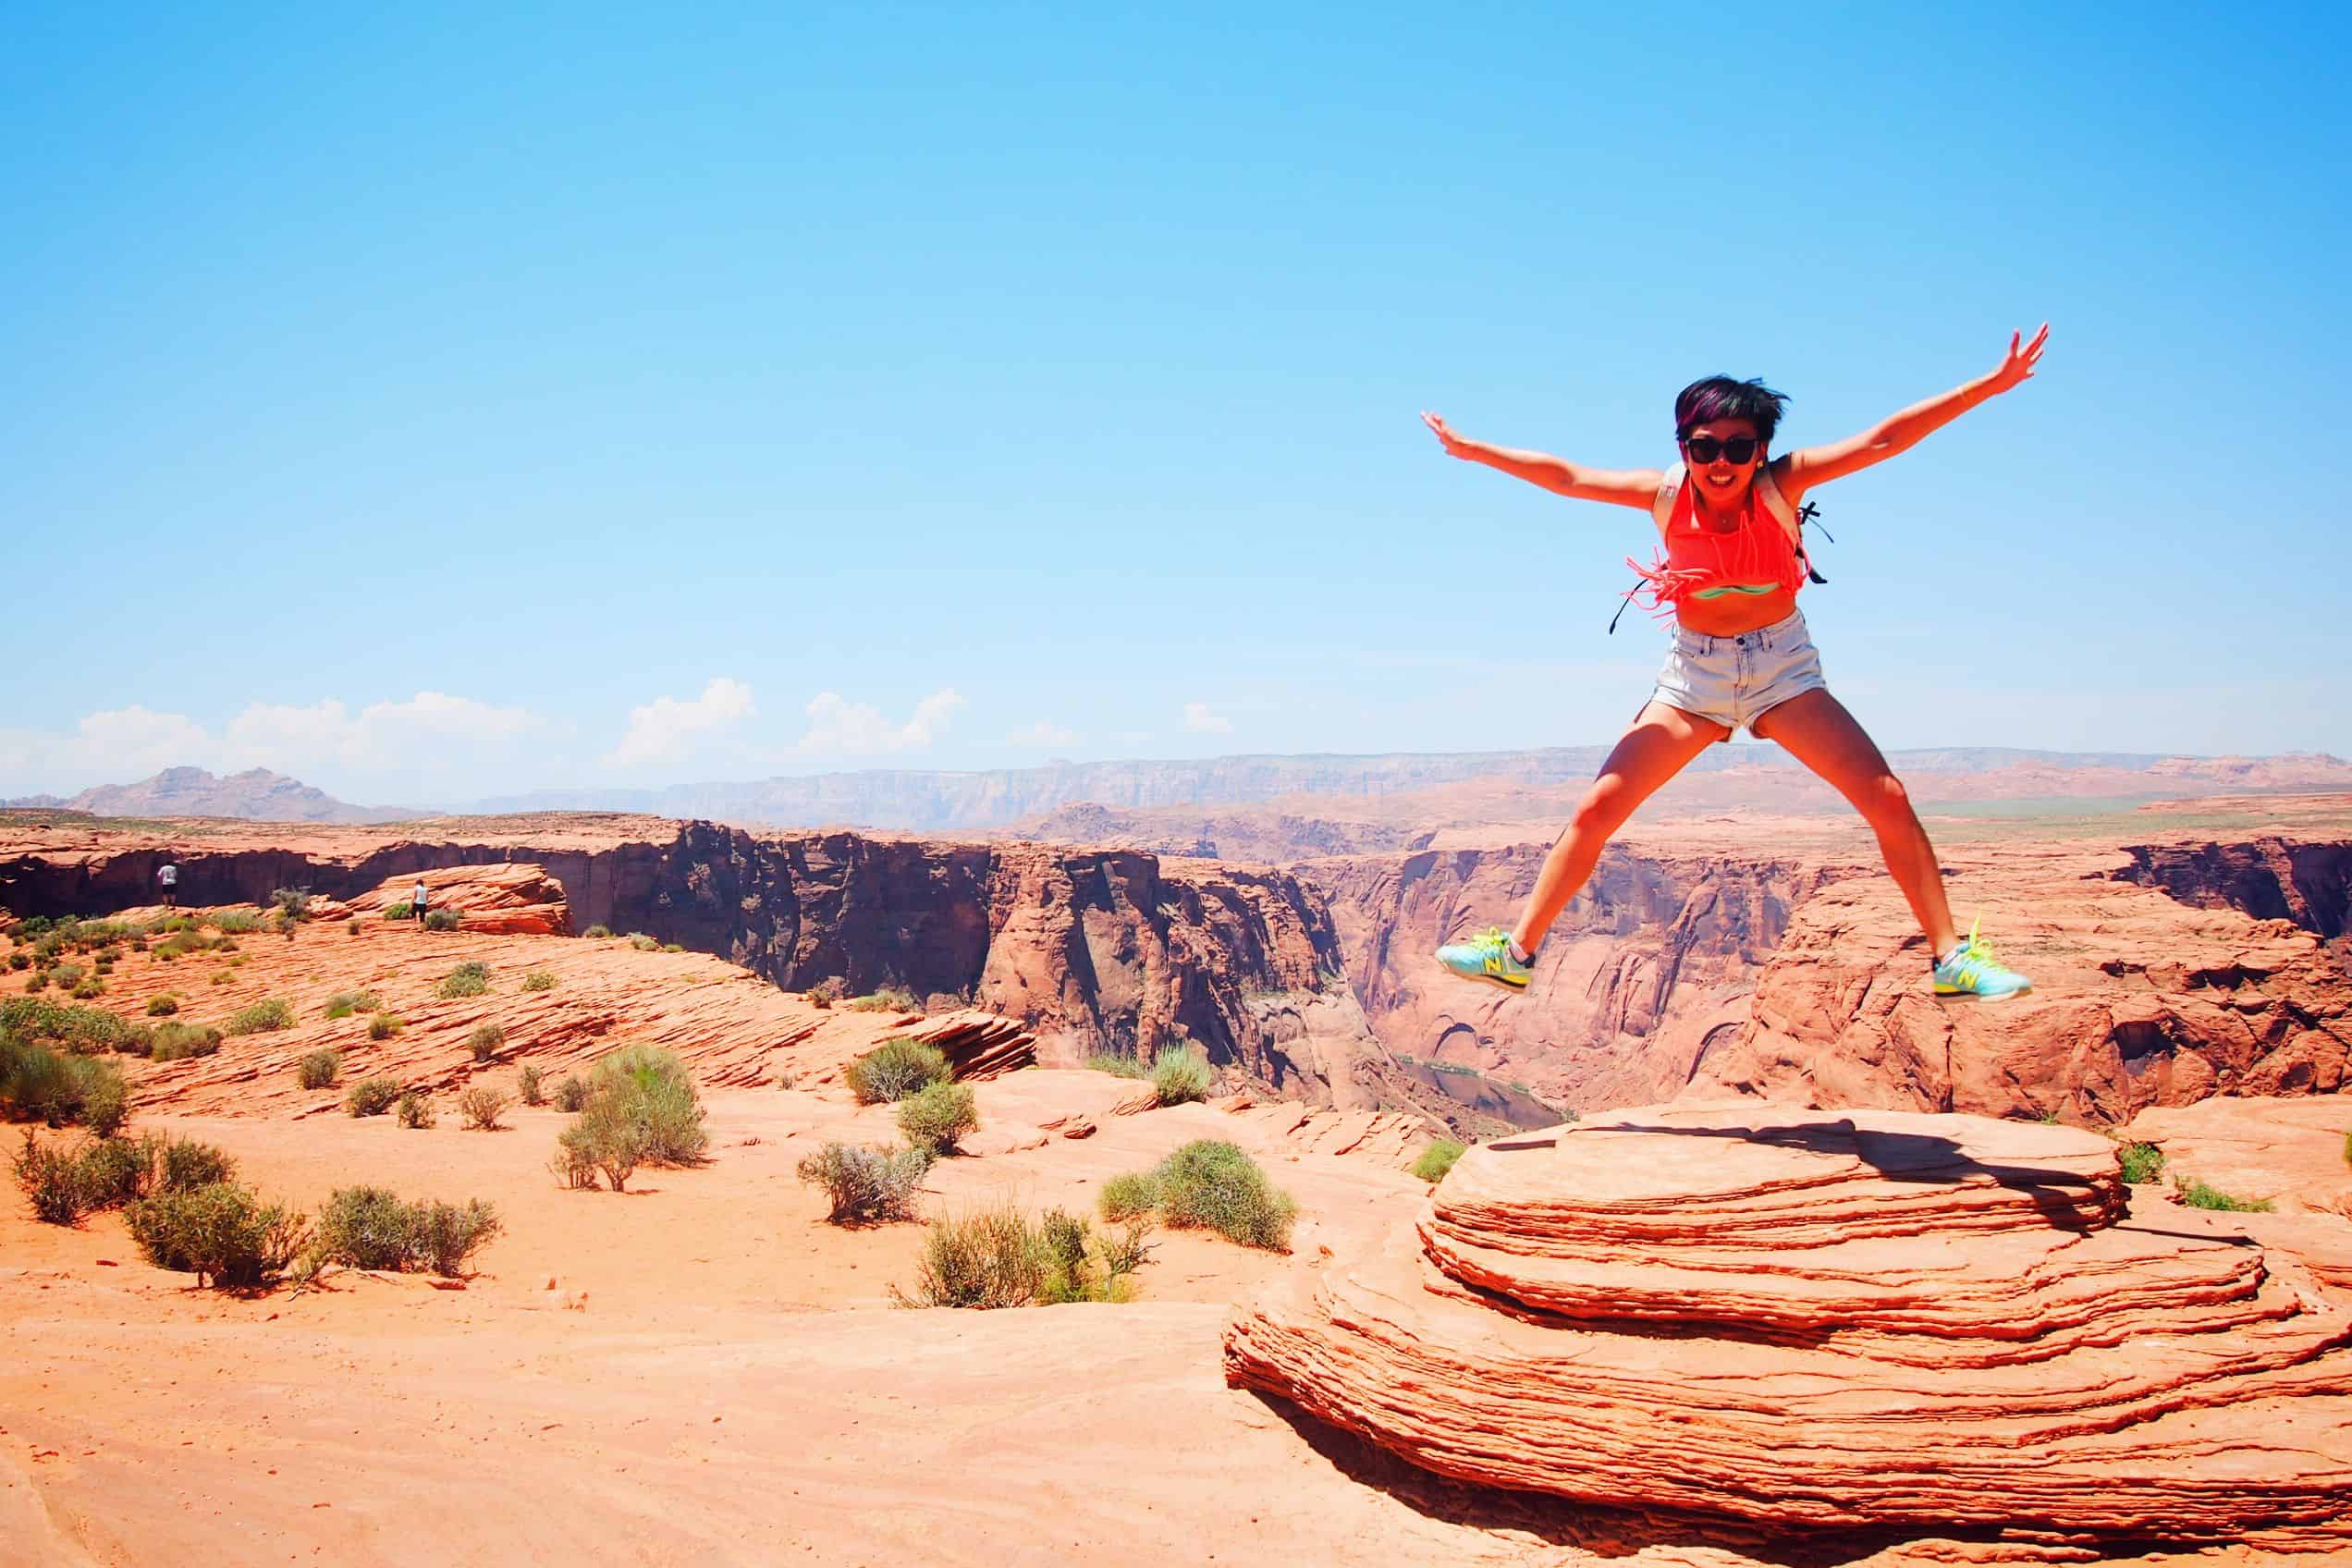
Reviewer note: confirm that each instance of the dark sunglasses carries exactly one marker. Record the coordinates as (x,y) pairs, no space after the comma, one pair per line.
(1705,449)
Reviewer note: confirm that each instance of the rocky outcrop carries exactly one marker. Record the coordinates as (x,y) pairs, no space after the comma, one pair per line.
(506,898)
(1804,1322)
(2143,998)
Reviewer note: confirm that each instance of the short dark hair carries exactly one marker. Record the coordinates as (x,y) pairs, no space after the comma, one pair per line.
(1719,396)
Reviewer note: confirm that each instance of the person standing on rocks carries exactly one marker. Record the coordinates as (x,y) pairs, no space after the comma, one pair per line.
(167,878)
(1731,530)
(420,901)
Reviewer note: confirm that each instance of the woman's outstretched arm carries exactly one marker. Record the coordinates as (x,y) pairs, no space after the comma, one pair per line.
(1627,487)
(1802,469)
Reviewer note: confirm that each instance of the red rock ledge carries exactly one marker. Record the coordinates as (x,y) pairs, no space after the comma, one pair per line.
(1811,1320)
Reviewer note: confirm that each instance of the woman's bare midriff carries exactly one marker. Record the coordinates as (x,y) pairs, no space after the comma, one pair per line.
(1736,612)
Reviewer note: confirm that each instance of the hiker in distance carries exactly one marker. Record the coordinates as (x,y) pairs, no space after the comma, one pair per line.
(1732,560)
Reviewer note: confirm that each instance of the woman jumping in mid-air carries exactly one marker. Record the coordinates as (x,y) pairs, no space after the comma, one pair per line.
(1733,560)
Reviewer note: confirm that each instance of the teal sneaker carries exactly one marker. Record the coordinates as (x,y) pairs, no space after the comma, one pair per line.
(1972,971)
(1487,958)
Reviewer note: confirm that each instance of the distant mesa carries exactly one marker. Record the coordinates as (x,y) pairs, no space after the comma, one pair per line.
(255,795)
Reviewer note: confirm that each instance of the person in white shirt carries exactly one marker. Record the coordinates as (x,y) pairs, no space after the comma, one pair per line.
(170,879)
(419,900)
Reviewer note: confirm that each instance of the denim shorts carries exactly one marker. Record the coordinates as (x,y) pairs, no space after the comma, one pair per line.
(1736,680)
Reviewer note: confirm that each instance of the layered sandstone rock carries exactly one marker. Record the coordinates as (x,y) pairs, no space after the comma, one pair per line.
(2152,988)
(507,897)
(1936,1325)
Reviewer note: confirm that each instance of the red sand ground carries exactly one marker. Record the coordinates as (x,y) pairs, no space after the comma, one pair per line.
(701,1370)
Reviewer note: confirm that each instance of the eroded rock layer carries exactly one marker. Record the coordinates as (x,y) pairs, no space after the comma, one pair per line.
(1808,1320)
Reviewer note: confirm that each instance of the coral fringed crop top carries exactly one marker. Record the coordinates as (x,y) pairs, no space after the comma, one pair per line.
(1758,555)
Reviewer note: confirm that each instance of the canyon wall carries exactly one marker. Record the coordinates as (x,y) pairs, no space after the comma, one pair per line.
(1654,958)
(1095,949)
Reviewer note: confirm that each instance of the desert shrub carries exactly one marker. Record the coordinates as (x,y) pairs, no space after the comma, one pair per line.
(292,903)
(106,1104)
(605,1138)
(466,980)
(401,910)
(597,933)
(894,1070)
(186,1164)
(1211,1185)
(934,1117)
(220,1233)
(37,1083)
(643,943)
(162,1006)
(343,1004)
(2142,1163)
(673,948)
(40,1085)
(261,1017)
(181,943)
(84,1031)
(1438,1158)
(1127,1248)
(372,1228)
(67,976)
(867,1181)
(885,998)
(481,1106)
(233,921)
(38,982)
(486,1040)
(384,1026)
(1180,1074)
(2197,1194)
(364,1227)
(987,1260)
(575,1166)
(443,920)
(118,1170)
(52,1178)
(650,1089)
(352,925)
(19,961)
(539,980)
(446,1236)
(1129,1195)
(372,1097)
(1118,1065)
(414,1110)
(571,1093)
(319,1069)
(222,976)
(173,1041)
(528,1082)
(825,993)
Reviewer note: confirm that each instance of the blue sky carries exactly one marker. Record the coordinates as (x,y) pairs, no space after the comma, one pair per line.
(432,405)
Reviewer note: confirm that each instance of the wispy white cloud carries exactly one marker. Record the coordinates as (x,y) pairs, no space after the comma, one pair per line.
(1201,721)
(841,728)
(426,734)
(662,728)
(1042,736)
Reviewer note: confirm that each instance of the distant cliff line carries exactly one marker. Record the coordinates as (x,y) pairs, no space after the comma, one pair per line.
(932,801)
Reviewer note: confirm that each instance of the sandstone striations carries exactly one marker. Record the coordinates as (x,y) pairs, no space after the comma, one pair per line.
(1794,1320)
(508,896)
(2153,987)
